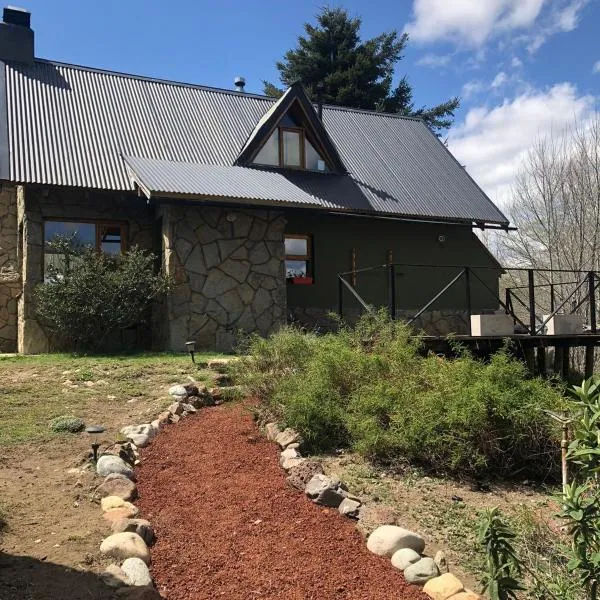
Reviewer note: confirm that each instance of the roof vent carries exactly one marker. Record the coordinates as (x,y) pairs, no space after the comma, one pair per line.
(239,83)
(16,37)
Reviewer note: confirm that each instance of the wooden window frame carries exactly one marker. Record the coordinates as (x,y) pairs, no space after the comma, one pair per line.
(300,131)
(308,257)
(98,223)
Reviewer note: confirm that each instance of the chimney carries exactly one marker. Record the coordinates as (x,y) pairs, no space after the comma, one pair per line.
(16,37)
(239,83)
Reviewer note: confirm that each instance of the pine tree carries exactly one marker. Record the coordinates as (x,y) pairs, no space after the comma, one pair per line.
(352,72)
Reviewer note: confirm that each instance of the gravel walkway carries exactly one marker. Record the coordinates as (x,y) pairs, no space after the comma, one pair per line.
(229,526)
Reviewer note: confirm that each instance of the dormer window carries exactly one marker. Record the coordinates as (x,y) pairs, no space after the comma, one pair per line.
(289,146)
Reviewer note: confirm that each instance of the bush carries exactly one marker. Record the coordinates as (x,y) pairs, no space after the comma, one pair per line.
(89,296)
(370,389)
(67,423)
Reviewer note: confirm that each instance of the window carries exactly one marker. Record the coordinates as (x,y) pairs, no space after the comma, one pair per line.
(298,259)
(289,146)
(103,236)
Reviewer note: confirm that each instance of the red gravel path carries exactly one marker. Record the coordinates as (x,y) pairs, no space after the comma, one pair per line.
(229,526)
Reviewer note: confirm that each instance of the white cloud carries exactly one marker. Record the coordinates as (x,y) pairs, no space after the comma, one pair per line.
(499,80)
(434,60)
(472,88)
(516,62)
(470,22)
(596,67)
(492,142)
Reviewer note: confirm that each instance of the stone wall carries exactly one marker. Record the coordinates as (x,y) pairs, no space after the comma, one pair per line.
(432,322)
(10,276)
(37,204)
(228,270)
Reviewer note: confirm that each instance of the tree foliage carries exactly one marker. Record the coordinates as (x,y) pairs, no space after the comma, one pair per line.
(89,296)
(353,72)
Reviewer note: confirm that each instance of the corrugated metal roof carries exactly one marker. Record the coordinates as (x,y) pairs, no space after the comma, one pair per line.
(71,125)
(169,178)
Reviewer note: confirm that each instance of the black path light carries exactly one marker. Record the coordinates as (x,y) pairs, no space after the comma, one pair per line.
(95,429)
(191,348)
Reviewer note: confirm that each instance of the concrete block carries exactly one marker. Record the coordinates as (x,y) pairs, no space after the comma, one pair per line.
(496,325)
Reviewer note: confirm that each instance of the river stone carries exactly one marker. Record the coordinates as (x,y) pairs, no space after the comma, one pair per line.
(110,502)
(286,437)
(122,512)
(421,571)
(299,475)
(188,408)
(113,476)
(272,431)
(403,558)
(164,418)
(109,463)
(125,545)
(349,508)
(140,526)
(175,409)
(137,571)
(387,539)
(178,391)
(318,484)
(114,576)
(121,487)
(443,587)
(140,435)
(441,561)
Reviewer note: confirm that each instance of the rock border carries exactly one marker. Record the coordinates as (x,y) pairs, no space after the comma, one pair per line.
(131,537)
(405,548)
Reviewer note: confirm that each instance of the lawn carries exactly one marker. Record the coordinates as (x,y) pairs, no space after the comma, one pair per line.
(34,389)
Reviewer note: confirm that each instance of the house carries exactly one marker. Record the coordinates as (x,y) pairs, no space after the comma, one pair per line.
(242,197)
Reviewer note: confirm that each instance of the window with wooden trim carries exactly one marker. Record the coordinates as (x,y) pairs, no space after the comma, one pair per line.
(105,236)
(290,146)
(298,257)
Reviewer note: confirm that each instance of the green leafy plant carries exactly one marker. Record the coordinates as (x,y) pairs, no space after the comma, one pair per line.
(88,297)
(67,423)
(501,580)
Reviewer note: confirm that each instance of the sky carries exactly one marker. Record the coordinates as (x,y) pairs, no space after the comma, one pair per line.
(523,68)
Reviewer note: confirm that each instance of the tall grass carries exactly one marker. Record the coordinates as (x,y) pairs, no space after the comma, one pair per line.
(370,389)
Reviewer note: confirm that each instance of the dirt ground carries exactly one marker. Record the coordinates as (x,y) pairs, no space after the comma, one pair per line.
(229,525)
(49,548)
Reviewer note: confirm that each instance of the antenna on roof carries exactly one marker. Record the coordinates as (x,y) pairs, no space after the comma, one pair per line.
(239,83)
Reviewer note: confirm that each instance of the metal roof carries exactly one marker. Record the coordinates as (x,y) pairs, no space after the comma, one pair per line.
(71,126)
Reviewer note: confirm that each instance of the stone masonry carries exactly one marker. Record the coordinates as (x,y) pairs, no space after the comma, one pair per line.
(228,272)
(10,276)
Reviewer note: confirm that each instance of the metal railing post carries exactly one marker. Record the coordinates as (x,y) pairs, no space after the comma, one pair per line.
(392,291)
(468,291)
(531,284)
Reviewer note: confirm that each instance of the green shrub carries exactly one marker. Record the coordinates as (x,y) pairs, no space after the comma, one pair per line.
(89,296)
(66,423)
(369,388)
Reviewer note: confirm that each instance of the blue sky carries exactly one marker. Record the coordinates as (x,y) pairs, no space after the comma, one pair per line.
(523,68)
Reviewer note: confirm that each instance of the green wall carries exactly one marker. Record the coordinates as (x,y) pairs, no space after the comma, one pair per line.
(334,236)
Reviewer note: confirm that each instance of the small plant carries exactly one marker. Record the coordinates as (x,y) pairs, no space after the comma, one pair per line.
(88,297)
(501,581)
(66,423)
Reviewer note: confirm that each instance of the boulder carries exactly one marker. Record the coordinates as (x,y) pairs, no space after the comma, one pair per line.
(272,431)
(122,512)
(125,545)
(136,571)
(175,409)
(113,476)
(403,558)
(114,576)
(349,508)
(300,474)
(110,502)
(108,464)
(421,571)
(443,587)
(140,435)
(387,539)
(121,487)
(164,418)
(140,526)
(188,408)
(441,561)
(325,491)
(178,391)
(286,437)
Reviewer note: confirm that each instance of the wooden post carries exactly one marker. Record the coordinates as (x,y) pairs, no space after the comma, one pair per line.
(532,325)
(530,359)
(392,291)
(558,360)
(566,363)
(589,350)
(541,361)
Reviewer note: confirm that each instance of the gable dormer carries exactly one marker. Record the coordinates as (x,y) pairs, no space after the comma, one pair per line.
(291,136)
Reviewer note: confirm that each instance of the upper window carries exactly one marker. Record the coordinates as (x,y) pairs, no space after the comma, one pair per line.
(103,236)
(288,146)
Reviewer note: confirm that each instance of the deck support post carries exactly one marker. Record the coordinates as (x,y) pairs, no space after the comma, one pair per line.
(566,363)
(392,291)
(529,353)
(468,292)
(531,281)
(558,358)
(541,361)
(589,350)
